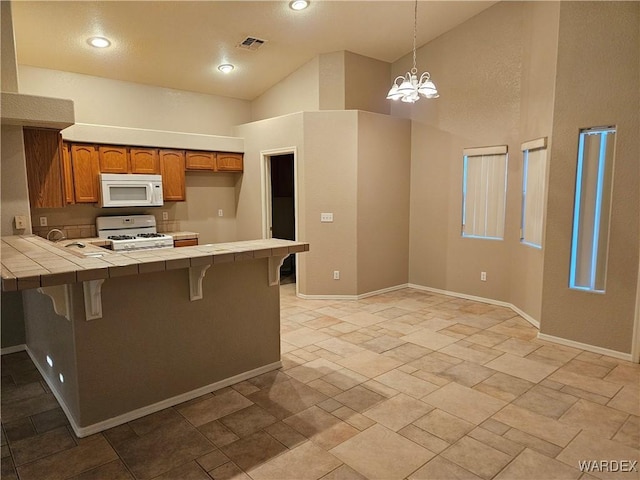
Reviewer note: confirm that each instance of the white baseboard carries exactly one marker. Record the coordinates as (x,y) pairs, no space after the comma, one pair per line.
(353,297)
(149,409)
(585,346)
(13,349)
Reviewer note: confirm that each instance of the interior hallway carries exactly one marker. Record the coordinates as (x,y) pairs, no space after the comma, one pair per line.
(406,384)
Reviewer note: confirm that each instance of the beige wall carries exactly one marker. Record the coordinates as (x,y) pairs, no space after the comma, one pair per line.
(597,40)
(384,164)
(298,92)
(477,69)
(332,76)
(366,83)
(111,102)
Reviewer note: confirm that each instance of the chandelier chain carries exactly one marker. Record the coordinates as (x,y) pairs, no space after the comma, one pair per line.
(414,70)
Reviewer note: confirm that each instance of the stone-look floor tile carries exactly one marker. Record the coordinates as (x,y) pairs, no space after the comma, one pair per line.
(353,418)
(380,388)
(329,405)
(441,468)
(546,401)
(504,387)
(627,399)
(340,347)
(33,448)
(471,353)
(587,446)
(431,378)
(150,423)
(496,441)
(254,450)
(592,397)
(476,457)
(460,330)
(218,434)
(369,364)
(321,427)
(164,449)
(463,402)
(629,433)
(429,339)
(115,470)
(398,412)
(305,462)
(19,429)
(212,460)
(530,464)
(7,469)
(359,398)
(267,380)
(495,426)
(424,439)
(245,388)
(68,463)
(29,406)
(248,420)
(362,319)
(518,347)
(487,338)
(189,471)
(587,368)
(383,343)
(325,387)
(600,420)
(286,435)
(406,383)
(345,379)
(379,453)
(444,425)
(284,399)
(435,362)
(589,384)
(21,392)
(313,370)
(624,374)
(407,352)
(343,472)
(214,408)
(467,373)
(538,425)
(304,336)
(49,420)
(534,443)
(521,367)
(228,471)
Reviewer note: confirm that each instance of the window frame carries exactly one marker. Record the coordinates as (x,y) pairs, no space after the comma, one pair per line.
(529,146)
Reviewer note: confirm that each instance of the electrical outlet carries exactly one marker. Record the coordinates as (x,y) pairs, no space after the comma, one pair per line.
(21,222)
(483,276)
(220,212)
(165,215)
(43,221)
(336,274)
(326,217)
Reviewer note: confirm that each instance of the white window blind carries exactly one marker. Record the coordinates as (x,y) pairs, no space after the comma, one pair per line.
(484,192)
(534,173)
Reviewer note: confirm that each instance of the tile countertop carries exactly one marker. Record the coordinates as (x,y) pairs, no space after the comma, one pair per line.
(30,261)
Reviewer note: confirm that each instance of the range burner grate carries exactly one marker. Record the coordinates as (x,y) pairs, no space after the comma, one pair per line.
(121,237)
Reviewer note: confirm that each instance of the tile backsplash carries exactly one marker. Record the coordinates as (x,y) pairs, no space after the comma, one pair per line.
(89,231)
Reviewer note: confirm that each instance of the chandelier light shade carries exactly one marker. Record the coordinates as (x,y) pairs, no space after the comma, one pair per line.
(409,88)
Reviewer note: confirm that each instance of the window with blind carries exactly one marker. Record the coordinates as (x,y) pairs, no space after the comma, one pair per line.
(484,191)
(534,171)
(592,209)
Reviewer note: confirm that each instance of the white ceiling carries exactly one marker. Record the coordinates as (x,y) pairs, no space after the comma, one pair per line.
(179,44)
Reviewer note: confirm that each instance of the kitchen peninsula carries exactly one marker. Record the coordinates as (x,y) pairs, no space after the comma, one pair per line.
(119,336)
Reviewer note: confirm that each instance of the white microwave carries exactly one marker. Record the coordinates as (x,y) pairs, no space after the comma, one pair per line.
(130,190)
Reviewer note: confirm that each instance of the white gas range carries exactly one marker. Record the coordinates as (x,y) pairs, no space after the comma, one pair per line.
(132,232)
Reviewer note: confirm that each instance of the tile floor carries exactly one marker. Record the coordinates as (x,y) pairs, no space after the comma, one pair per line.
(401,385)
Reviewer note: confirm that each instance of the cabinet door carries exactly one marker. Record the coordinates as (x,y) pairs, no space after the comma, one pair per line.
(113,159)
(85,165)
(229,162)
(44,167)
(144,160)
(201,160)
(172,169)
(67,174)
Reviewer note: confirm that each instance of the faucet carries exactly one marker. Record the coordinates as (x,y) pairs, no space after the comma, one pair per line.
(55,230)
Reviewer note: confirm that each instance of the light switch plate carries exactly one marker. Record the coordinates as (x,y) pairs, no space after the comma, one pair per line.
(21,222)
(326,217)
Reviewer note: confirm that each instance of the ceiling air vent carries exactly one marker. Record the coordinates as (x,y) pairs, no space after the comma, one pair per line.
(251,43)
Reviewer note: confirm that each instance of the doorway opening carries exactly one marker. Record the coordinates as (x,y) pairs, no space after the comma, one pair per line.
(280,211)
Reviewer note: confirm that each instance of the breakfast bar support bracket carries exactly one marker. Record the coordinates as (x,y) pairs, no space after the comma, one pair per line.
(59,295)
(274,269)
(93,299)
(196,274)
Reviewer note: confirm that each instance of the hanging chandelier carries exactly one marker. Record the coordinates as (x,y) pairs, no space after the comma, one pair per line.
(410,87)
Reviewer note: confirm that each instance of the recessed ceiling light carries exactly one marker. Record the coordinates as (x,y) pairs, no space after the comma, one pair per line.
(225,67)
(99,42)
(299,4)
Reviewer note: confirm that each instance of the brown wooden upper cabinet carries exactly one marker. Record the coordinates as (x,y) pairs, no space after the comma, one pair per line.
(44,167)
(113,159)
(229,162)
(172,167)
(200,160)
(67,174)
(86,167)
(144,160)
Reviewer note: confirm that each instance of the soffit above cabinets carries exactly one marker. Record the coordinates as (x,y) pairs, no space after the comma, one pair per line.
(179,44)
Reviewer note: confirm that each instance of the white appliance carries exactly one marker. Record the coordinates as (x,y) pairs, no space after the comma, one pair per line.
(130,190)
(132,232)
